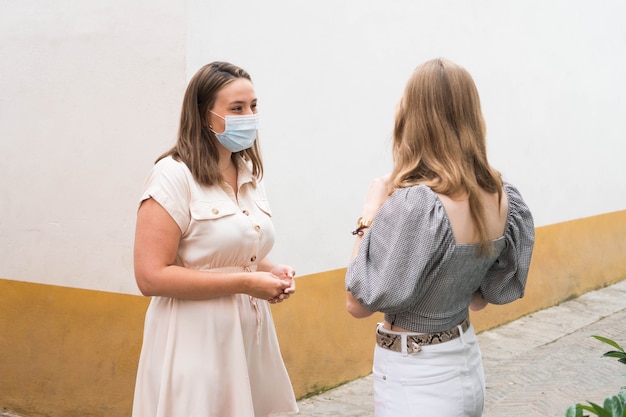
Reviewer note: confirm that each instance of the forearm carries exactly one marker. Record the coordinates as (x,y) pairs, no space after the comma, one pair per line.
(355,308)
(478,302)
(353,305)
(376,196)
(367,214)
(179,282)
(355,248)
(265,265)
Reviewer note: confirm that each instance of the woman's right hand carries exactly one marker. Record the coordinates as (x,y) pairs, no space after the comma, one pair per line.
(266,286)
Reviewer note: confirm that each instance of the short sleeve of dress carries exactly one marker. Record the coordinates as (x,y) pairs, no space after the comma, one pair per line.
(505,281)
(168,185)
(405,242)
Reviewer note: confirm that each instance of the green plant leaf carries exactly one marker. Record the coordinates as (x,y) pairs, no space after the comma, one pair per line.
(586,407)
(599,410)
(609,342)
(574,411)
(594,408)
(614,406)
(615,354)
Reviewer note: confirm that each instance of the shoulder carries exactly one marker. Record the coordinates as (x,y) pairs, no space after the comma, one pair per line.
(168,177)
(516,201)
(170,165)
(520,219)
(415,207)
(170,171)
(415,192)
(414,198)
(512,191)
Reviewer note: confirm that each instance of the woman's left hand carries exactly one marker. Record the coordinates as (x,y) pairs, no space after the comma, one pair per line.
(284,272)
(377,194)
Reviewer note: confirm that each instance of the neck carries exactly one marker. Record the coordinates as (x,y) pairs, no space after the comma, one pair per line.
(225,165)
(225,158)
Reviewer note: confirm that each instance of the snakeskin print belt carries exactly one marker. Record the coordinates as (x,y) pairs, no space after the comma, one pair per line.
(414,342)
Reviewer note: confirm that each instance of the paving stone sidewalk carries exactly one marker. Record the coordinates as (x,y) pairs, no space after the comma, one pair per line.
(535,366)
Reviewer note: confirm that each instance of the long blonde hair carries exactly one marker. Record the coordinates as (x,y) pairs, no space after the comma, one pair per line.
(196,144)
(439,139)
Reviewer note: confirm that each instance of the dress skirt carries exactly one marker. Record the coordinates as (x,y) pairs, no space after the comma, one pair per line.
(211,358)
(443,380)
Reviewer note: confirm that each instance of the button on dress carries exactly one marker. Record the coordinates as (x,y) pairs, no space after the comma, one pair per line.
(218,357)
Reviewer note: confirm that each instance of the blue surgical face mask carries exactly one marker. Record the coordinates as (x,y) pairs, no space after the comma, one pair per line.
(239,133)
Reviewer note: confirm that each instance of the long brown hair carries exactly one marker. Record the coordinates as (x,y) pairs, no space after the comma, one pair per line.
(439,139)
(196,144)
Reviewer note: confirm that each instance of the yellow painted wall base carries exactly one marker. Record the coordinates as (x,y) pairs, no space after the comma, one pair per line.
(68,352)
(72,352)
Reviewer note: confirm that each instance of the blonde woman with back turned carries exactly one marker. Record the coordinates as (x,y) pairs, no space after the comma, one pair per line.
(442,233)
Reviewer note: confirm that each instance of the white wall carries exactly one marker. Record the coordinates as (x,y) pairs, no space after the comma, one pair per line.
(91,95)
(329,73)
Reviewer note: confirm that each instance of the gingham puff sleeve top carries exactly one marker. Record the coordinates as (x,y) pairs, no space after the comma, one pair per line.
(410,267)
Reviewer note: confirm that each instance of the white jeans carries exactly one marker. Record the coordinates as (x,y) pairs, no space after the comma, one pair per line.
(442,380)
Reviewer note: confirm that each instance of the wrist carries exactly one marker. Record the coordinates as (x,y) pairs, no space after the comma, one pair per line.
(265,266)
(245,283)
(362,224)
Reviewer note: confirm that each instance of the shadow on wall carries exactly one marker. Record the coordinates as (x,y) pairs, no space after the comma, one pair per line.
(68,351)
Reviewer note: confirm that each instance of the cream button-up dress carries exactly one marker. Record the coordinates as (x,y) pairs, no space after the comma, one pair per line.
(218,357)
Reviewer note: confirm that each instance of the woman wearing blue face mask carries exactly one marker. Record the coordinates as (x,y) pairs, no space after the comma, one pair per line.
(203,233)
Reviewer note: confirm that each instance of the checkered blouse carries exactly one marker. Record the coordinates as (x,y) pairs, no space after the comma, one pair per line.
(410,267)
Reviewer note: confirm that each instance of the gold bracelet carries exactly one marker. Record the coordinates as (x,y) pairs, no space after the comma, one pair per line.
(360,225)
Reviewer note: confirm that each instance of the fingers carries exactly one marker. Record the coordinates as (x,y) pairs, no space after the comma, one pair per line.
(292,287)
(288,287)
(278,299)
(283,271)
